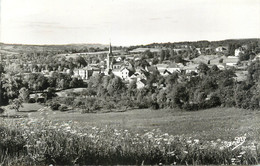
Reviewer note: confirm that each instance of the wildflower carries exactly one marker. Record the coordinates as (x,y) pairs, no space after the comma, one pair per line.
(166,134)
(196,141)
(91,136)
(73,132)
(171,153)
(189,141)
(253,147)
(243,152)
(185,152)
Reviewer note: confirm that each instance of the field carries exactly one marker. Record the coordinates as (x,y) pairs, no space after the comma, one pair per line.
(213,136)
(211,124)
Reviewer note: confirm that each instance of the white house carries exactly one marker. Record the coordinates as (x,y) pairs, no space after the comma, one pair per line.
(221,49)
(138,75)
(191,68)
(257,57)
(140,84)
(118,59)
(123,73)
(231,61)
(239,51)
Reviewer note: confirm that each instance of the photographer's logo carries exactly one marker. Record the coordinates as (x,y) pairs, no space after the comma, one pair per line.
(238,142)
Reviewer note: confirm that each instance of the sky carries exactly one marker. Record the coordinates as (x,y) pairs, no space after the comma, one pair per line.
(127,22)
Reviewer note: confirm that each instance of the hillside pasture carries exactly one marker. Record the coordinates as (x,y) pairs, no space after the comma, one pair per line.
(210,124)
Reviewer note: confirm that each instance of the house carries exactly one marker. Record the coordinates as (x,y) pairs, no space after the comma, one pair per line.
(140,84)
(257,57)
(167,69)
(231,61)
(221,49)
(216,61)
(191,68)
(161,68)
(86,72)
(123,73)
(118,65)
(128,65)
(239,51)
(118,59)
(138,75)
(221,67)
(174,67)
(83,73)
(198,50)
(241,76)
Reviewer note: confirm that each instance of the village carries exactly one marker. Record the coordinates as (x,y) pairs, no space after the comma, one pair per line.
(154,71)
(122,64)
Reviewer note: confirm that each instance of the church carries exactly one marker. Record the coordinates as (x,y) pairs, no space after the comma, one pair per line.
(109,61)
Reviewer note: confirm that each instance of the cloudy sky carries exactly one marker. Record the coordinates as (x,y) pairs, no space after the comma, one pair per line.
(127,22)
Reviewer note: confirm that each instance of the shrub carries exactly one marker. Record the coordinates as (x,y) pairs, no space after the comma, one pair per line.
(31,100)
(55,106)
(155,105)
(190,106)
(63,108)
(214,101)
(1,110)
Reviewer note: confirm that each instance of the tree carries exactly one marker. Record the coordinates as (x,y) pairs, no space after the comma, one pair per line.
(11,84)
(148,54)
(203,68)
(172,78)
(115,86)
(16,104)
(24,94)
(50,92)
(80,61)
(244,56)
(132,89)
(162,55)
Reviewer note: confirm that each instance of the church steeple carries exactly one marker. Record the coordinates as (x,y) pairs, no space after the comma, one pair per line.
(110,48)
(109,57)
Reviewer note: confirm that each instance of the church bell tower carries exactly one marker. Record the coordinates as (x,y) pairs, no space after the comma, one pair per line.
(109,58)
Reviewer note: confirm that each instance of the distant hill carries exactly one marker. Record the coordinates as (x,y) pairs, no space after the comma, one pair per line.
(24,48)
(204,43)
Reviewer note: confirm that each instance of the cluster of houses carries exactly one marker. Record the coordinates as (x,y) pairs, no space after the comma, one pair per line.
(126,71)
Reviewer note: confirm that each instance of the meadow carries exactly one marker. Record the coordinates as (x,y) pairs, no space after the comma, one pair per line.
(214,136)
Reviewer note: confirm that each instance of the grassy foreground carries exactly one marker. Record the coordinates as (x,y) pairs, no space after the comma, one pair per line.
(215,136)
